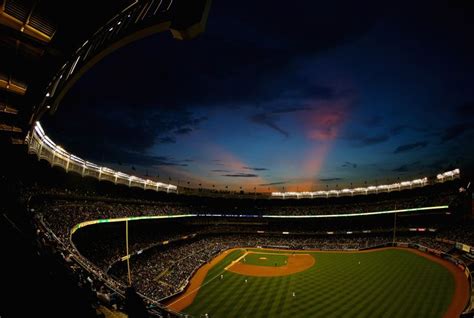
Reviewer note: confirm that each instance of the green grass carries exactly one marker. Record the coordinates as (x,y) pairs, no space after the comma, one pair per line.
(388,283)
(270,259)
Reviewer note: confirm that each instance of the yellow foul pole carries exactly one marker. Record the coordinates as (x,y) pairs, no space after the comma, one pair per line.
(128,255)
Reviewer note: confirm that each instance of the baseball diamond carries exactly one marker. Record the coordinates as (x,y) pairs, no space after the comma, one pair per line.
(266,264)
(388,282)
(264,259)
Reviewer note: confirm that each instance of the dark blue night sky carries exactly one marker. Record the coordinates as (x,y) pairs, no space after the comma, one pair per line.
(300,95)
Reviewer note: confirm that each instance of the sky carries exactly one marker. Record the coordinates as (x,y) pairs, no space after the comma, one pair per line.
(273,96)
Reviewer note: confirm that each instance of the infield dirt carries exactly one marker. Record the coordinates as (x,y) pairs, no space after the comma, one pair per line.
(296,263)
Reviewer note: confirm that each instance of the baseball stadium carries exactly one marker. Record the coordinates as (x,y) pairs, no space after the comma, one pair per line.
(236,160)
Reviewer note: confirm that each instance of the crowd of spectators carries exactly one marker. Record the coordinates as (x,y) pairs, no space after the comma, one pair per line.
(364,207)
(165,270)
(63,210)
(103,252)
(62,215)
(160,270)
(463,232)
(84,274)
(94,284)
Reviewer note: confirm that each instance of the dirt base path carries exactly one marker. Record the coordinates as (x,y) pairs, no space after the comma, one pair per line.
(185,299)
(296,263)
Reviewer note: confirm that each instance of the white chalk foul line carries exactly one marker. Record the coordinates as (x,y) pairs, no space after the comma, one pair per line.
(236,261)
(202,285)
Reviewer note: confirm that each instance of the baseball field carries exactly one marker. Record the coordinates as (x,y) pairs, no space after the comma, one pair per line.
(390,282)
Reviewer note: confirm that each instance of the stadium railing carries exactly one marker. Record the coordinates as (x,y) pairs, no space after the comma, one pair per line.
(185,20)
(44,148)
(468,311)
(155,308)
(383,188)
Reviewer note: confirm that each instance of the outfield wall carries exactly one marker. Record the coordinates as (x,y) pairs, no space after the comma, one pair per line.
(459,263)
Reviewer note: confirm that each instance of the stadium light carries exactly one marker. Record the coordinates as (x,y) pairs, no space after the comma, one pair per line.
(47,146)
(377,188)
(77,159)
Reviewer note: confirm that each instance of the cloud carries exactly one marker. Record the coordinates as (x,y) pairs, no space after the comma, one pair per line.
(140,159)
(319,92)
(348,164)
(255,169)
(136,115)
(269,121)
(272,183)
(232,162)
(220,170)
(290,110)
(409,147)
(373,140)
(241,175)
(254,63)
(440,165)
(167,161)
(324,122)
(362,138)
(111,126)
(455,131)
(183,131)
(464,123)
(374,120)
(330,179)
(217,162)
(395,130)
(406,167)
(167,140)
(102,150)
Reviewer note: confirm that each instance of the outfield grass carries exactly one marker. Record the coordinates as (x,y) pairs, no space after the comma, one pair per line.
(275,260)
(387,283)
